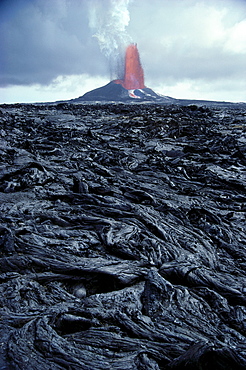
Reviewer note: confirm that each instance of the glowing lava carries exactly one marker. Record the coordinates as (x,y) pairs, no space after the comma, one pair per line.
(133,75)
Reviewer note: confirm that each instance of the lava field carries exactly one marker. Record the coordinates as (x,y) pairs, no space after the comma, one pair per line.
(122,237)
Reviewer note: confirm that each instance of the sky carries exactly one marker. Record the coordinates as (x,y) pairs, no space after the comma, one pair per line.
(59,49)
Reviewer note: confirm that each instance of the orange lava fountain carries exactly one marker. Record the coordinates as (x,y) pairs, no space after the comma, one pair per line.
(134,75)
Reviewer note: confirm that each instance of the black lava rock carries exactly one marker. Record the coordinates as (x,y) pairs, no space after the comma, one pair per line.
(122,236)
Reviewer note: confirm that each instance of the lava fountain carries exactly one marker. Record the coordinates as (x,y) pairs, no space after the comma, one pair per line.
(133,71)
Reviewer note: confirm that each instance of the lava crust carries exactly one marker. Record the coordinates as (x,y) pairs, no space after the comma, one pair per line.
(122,237)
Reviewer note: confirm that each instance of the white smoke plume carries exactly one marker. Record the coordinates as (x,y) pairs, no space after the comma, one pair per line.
(109,20)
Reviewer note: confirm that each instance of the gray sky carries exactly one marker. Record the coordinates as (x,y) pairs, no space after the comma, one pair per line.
(52,50)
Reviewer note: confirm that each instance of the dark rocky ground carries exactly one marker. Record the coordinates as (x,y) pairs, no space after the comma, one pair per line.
(122,237)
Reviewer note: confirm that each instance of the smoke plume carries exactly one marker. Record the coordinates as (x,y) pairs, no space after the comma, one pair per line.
(109,20)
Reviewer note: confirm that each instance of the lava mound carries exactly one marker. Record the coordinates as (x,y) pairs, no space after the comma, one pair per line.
(122,237)
(114,91)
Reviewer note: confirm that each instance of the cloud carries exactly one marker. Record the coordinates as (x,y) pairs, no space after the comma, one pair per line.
(236,41)
(44,39)
(186,46)
(190,39)
(61,88)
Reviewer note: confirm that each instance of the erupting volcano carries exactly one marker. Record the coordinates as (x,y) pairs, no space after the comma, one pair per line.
(130,87)
(134,74)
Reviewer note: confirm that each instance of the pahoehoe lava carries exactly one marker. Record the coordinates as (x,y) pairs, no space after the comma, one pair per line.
(122,237)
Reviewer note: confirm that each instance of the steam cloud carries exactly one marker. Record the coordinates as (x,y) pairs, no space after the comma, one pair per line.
(109,20)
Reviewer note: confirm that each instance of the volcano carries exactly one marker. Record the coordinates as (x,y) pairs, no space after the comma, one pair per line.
(130,87)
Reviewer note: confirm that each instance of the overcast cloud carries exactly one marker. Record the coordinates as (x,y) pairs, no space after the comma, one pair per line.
(189,48)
